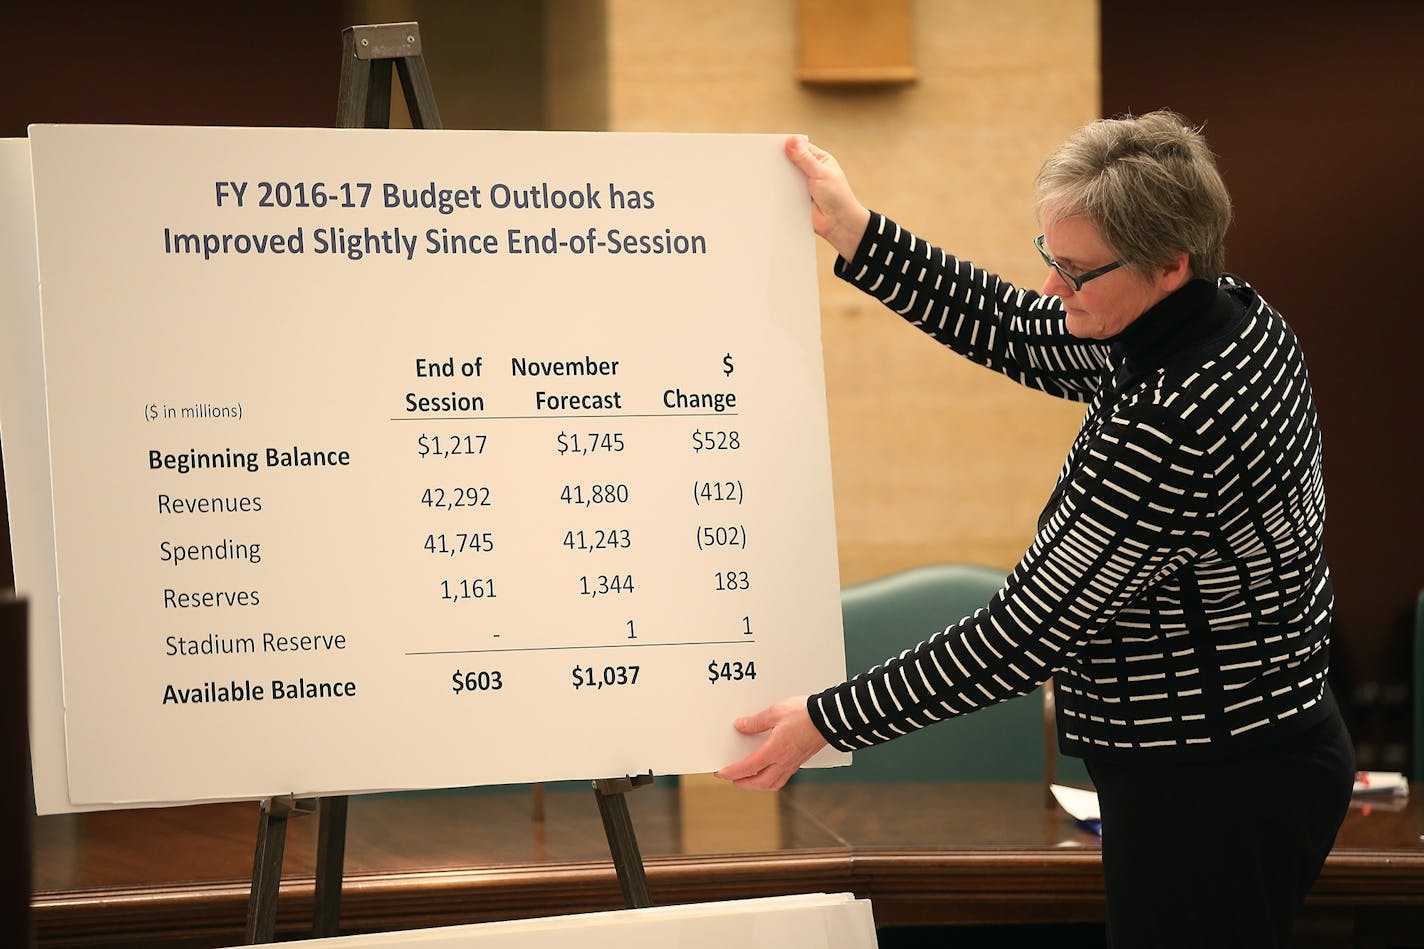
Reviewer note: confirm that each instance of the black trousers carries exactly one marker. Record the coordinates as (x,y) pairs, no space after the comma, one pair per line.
(1221,853)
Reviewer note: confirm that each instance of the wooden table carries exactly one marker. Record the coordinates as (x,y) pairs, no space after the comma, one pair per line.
(923,853)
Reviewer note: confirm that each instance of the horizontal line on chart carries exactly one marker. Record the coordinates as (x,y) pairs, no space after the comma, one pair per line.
(524,418)
(462,652)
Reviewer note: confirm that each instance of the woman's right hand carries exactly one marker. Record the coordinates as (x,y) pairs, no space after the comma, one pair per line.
(836,215)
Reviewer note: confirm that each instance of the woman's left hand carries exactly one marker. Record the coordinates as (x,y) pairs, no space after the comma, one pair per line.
(791,740)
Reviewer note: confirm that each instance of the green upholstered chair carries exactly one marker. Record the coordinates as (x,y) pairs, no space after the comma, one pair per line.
(883,617)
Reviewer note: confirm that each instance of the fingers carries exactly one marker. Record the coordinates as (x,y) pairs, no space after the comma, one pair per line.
(809,158)
(798,152)
(791,740)
(765,781)
(749,767)
(836,215)
(761,770)
(756,724)
(765,754)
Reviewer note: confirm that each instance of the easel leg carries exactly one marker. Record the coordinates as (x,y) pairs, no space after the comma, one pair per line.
(622,841)
(378,101)
(419,98)
(330,865)
(267,869)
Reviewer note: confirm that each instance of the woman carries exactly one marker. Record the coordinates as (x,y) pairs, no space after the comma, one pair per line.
(1176,588)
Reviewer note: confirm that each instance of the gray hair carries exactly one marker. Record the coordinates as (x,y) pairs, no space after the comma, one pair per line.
(1148,183)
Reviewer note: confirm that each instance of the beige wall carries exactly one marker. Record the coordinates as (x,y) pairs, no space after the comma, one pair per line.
(576,65)
(933,459)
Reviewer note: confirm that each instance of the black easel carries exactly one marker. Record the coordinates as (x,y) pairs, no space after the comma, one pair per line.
(368,54)
(267,864)
(622,841)
(364,101)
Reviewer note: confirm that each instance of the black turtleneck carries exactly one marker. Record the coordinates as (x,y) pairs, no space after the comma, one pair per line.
(1196,314)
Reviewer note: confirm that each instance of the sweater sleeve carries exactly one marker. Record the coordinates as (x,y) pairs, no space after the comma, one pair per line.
(1020,333)
(1134,509)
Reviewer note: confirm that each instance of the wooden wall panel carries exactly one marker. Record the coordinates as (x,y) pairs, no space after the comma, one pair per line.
(576,66)
(1313,113)
(261,62)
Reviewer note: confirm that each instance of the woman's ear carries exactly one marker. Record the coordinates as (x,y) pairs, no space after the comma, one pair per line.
(1174,273)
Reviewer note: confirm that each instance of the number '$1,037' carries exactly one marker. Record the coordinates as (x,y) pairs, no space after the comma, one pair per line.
(609,677)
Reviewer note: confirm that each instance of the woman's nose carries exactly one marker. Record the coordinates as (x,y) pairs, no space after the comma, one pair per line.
(1055,286)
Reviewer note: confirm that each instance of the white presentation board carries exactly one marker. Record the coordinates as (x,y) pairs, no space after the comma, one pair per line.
(809,921)
(24,440)
(422,459)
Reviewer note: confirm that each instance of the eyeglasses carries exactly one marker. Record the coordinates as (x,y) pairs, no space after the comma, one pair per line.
(1076,281)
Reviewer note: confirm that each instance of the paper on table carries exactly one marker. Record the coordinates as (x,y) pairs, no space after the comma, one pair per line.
(1081,805)
(1382,783)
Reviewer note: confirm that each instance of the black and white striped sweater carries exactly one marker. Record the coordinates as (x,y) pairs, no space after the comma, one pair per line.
(1176,588)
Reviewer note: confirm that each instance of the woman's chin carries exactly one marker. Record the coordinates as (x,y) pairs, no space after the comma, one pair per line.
(1079,324)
